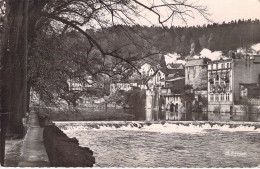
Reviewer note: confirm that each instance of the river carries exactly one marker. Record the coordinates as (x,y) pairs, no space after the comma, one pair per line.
(168,144)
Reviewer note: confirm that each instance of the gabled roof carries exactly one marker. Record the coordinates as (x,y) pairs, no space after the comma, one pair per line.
(172,79)
(176,66)
(154,68)
(150,62)
(168,71)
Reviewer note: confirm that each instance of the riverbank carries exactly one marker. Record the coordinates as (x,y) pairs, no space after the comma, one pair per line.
(64,151)
(45,145)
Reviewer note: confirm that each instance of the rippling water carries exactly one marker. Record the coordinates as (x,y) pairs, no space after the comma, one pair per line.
(122,144)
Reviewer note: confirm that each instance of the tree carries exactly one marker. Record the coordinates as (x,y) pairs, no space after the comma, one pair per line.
(187,98)
(162,61)
(58,17)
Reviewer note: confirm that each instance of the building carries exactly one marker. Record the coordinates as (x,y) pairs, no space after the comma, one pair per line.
(172,87)
(175,66)
(220,85)
(147,69)
(172,91)
(196,73)
(230,80)
(76,84)
(122,86)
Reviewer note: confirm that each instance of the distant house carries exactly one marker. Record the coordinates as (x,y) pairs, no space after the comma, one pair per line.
(122,86)
(172,91)
(175,66)
(75,84)
(172,86)
(148,72)
(233,80)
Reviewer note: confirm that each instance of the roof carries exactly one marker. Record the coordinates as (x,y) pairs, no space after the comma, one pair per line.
(196,62)
(176,66)
(168,71)
(124,81)
(150,62)
(174,79)
(154,68)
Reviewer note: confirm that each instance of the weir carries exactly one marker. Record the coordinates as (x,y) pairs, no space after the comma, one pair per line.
(160,126)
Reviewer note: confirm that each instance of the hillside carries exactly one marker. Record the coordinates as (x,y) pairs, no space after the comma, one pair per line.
(189,40)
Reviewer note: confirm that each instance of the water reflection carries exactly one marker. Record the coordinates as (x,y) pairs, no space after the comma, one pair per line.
(113,114)
(155,115)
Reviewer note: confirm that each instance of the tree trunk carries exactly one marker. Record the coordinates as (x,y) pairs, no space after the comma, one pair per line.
(12,59)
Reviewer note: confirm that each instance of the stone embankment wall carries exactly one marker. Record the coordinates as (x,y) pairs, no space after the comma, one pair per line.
(64,151)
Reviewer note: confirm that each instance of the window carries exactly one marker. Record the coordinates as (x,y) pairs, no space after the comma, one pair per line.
(217,77)
(217,97)
(217,66)
(228,65)
(227,86)
(194,71)
(222,66)
(211,87)
(211,97)
(222,97)
(227,96)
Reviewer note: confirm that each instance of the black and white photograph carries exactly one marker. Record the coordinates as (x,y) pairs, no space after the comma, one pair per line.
(130,83)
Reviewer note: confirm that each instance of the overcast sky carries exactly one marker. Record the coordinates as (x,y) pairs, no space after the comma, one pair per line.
(224,10)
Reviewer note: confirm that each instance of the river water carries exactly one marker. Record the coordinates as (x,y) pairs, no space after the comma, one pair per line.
(170,144)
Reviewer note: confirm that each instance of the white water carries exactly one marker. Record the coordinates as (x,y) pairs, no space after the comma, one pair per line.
(180,144)
(160,128)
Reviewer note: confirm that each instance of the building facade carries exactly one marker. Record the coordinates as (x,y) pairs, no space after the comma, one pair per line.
(123,86)
(196,73)
(229,81)
(220,85)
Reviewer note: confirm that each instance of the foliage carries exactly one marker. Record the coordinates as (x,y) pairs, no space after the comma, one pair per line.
(108,49)
(191,40)
(51,20)
(117,97)
(135,98)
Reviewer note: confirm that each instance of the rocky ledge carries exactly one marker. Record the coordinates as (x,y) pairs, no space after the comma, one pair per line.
(64,151)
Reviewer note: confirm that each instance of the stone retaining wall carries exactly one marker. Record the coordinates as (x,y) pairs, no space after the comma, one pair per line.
(64,151)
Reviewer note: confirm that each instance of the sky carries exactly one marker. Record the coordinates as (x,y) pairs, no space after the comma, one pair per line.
(221,10)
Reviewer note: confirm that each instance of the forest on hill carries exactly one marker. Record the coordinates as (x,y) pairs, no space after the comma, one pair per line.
(188,40)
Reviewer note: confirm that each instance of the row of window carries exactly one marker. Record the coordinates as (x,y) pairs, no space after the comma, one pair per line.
(173,99)
(219,66)
(123,85)
(220,97)
(220,87)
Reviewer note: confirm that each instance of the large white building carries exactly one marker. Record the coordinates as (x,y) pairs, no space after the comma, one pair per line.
(230,80)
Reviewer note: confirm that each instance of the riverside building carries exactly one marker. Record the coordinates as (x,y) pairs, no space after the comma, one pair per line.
(227,78)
